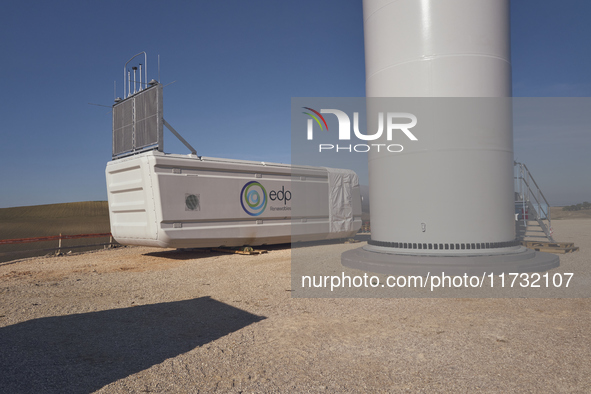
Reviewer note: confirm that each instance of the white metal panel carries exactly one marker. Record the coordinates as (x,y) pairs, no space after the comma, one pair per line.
(156,186)
(131,202)
(437,48)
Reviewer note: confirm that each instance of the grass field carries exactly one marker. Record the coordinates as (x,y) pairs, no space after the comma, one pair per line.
(87,217)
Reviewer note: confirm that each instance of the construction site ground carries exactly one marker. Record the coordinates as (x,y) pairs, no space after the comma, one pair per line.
(139,319)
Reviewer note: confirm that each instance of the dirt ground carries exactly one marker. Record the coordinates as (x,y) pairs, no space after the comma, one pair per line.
(164,321)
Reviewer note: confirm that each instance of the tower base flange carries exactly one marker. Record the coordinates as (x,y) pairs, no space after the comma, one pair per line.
(525,260)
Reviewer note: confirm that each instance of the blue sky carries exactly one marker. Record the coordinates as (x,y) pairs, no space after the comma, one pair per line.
(236,65)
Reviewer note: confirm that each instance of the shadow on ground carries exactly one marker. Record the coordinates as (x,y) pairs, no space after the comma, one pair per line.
(84,352)
(184,254)
(200,253)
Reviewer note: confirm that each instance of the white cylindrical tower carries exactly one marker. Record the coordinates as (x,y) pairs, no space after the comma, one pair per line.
(437,48)
(449,195)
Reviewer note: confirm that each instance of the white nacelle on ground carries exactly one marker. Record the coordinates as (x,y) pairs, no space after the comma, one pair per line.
(180,201)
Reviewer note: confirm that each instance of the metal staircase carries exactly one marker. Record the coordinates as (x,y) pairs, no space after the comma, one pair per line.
(532,211)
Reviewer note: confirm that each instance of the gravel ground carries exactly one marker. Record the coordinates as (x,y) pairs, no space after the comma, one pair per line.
(150,320)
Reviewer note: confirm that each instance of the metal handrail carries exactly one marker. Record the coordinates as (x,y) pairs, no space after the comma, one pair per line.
(537,201)
(528,193)
(126,82)
(538,190)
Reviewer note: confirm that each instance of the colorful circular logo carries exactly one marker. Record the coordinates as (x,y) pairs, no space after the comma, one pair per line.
(253,198)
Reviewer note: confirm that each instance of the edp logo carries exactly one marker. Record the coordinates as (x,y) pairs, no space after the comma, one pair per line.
(281,195)
(254,197)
